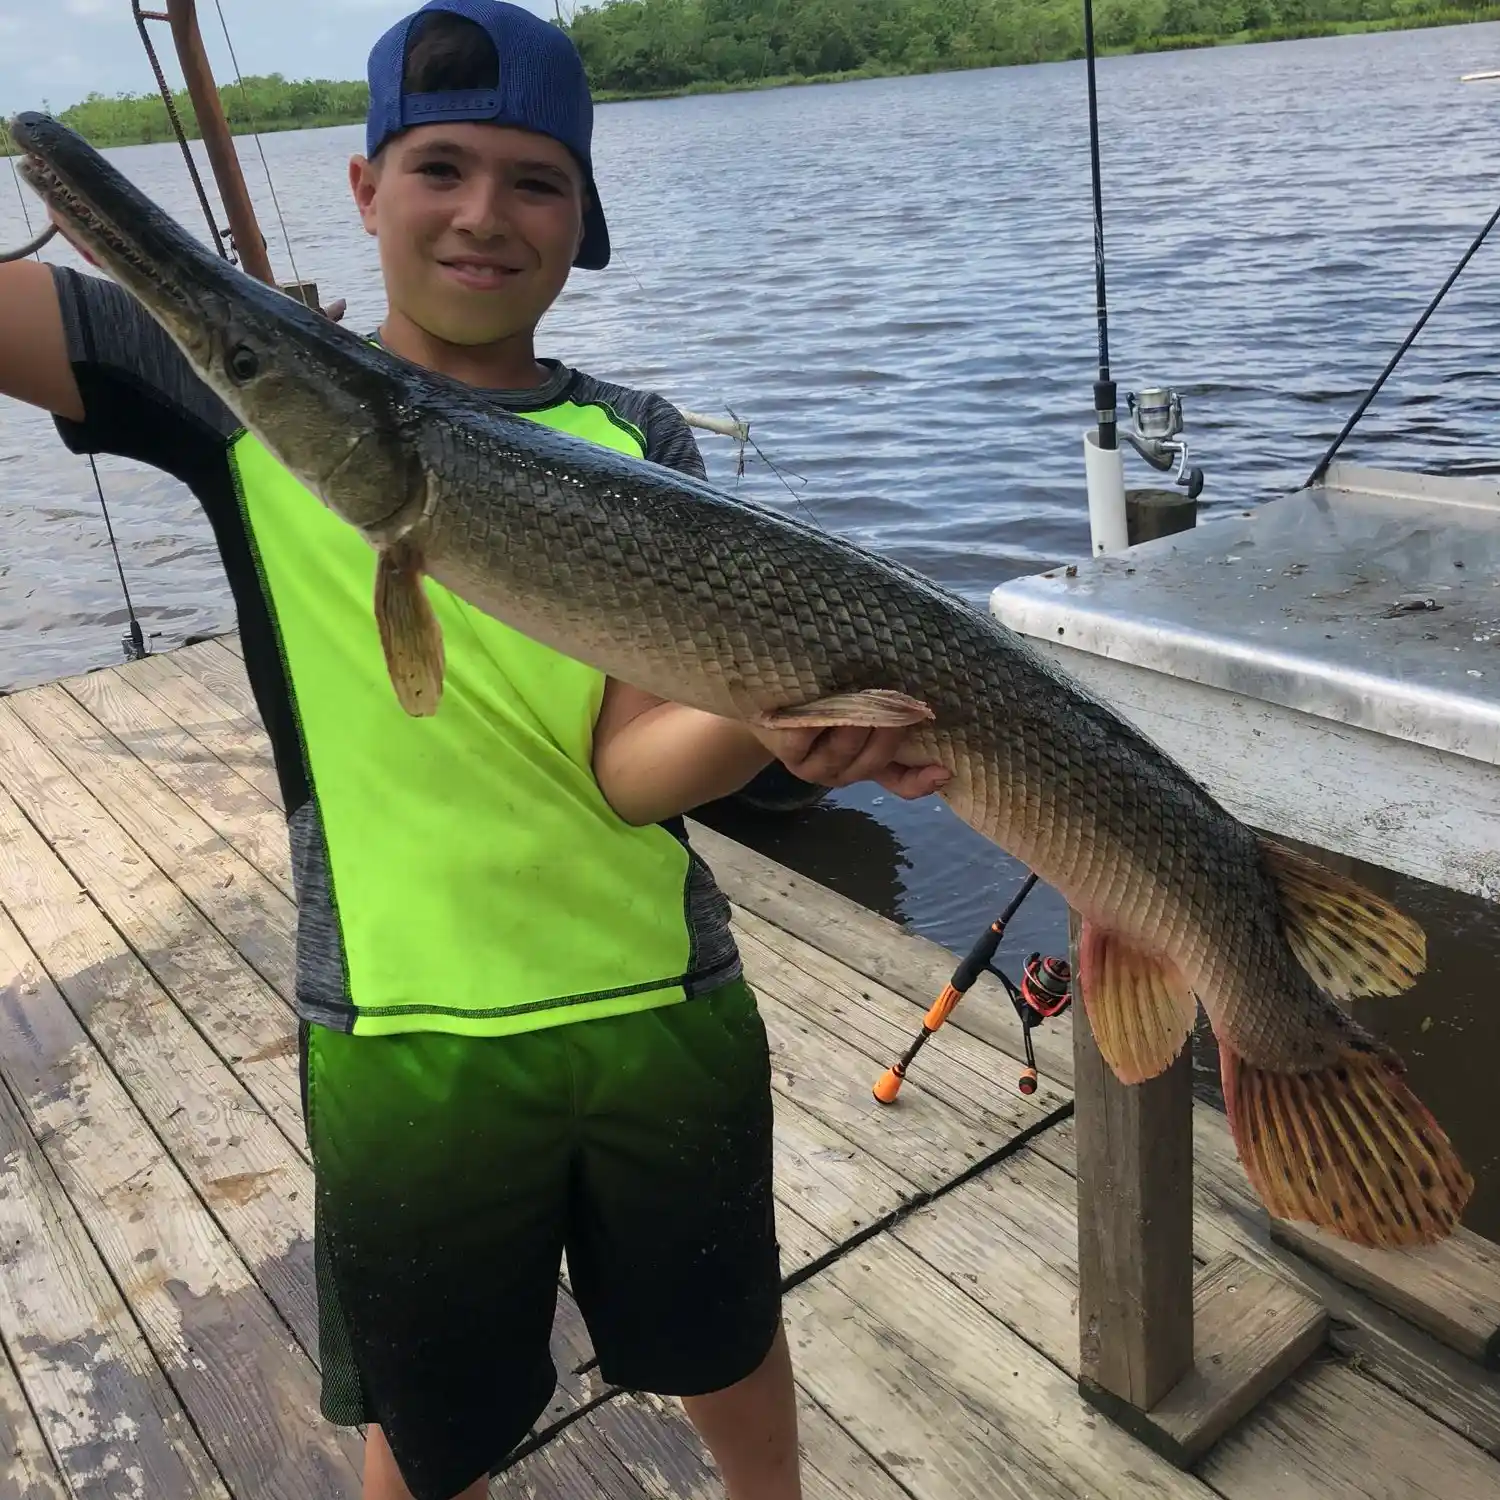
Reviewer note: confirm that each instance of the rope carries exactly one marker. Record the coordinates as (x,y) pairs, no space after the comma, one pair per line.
(244,94)
(134,641)
(1395,359)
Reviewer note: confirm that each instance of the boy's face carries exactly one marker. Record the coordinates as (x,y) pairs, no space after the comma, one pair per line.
(477,224)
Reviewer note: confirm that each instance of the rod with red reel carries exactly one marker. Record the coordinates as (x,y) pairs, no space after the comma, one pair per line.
(1045,991)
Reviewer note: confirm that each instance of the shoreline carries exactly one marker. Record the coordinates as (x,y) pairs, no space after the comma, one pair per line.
(1310,31)
(1291,33)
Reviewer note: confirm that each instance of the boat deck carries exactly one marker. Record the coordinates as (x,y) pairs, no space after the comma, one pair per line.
(157,1309)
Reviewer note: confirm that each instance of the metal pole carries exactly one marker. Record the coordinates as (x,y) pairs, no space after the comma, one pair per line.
(219,143)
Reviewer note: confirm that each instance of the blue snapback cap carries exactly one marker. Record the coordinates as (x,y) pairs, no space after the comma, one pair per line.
(543,87)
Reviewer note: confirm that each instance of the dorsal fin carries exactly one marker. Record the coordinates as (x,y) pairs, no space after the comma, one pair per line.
(1350,940)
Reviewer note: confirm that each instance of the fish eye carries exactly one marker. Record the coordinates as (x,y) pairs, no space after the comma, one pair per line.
(243,363)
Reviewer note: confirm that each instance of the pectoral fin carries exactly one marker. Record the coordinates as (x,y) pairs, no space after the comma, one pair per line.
(875,708)
(1139,1008)
(409,631)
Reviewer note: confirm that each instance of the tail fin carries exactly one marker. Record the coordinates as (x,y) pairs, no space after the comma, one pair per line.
(1349,1148)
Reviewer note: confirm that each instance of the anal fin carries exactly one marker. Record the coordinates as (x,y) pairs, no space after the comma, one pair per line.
(410,634)
(1351,941)
(1139,1007)
(876,708)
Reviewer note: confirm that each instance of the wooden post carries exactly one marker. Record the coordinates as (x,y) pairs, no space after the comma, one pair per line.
(1135,1223)
(1173,1357)
(248,243)
(1153,513)
(305,292)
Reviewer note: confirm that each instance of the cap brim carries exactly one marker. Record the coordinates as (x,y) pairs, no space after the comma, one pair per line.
(593,253)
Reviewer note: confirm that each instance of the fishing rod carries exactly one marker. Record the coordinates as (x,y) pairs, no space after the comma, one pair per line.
(1106,405)
(1045,991)
(1156,412)
(1321,467)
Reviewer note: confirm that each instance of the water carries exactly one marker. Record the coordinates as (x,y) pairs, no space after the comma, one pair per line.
(893,281)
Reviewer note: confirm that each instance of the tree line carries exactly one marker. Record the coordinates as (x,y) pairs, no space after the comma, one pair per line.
(634,48)
(264,102)
(658,46)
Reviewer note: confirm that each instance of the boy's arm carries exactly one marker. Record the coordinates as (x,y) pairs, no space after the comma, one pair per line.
(654,760)
(83,348)
(34,364)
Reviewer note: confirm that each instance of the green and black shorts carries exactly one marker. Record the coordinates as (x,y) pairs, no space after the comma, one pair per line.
(452,1173)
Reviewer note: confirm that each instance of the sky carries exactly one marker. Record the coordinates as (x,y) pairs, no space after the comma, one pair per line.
(55,52)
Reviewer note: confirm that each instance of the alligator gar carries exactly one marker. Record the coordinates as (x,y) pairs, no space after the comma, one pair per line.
(702,599)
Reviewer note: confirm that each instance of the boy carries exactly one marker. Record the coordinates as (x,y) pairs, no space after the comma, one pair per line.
(524,1025)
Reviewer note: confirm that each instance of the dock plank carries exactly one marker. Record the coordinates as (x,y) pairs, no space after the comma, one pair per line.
(27,1469)
(108,1411)
(1452,1289)
(1435,1379)
(574,1464)
(245,1022)
(246,908)
(222,673)
(1432,1377)
(171,1227)
(835,1466)
(219,727)
(950,1399)
(824,1178)
(1010,1239)
(922,1143)
(657,1443)
(1334,1434)
(242,816)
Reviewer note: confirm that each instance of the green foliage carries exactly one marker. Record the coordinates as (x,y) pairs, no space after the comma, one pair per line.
(264,102)
(642,47)
(666,46)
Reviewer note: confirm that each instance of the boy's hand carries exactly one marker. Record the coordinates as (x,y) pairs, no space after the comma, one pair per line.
(654,760)
(851,753)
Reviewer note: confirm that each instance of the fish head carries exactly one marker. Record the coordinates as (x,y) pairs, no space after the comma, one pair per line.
(329,406)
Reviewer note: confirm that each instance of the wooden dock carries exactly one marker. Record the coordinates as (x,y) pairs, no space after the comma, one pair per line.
(157,1309)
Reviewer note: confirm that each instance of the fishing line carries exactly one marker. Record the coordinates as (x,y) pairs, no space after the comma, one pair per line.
(255,133)
(134,642)
(1395,359)
(734,417)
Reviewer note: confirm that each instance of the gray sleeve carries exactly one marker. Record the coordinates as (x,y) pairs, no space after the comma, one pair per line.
(669,440)
(141,398)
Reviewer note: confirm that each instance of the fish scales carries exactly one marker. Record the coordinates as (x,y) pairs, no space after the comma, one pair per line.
(727,608)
